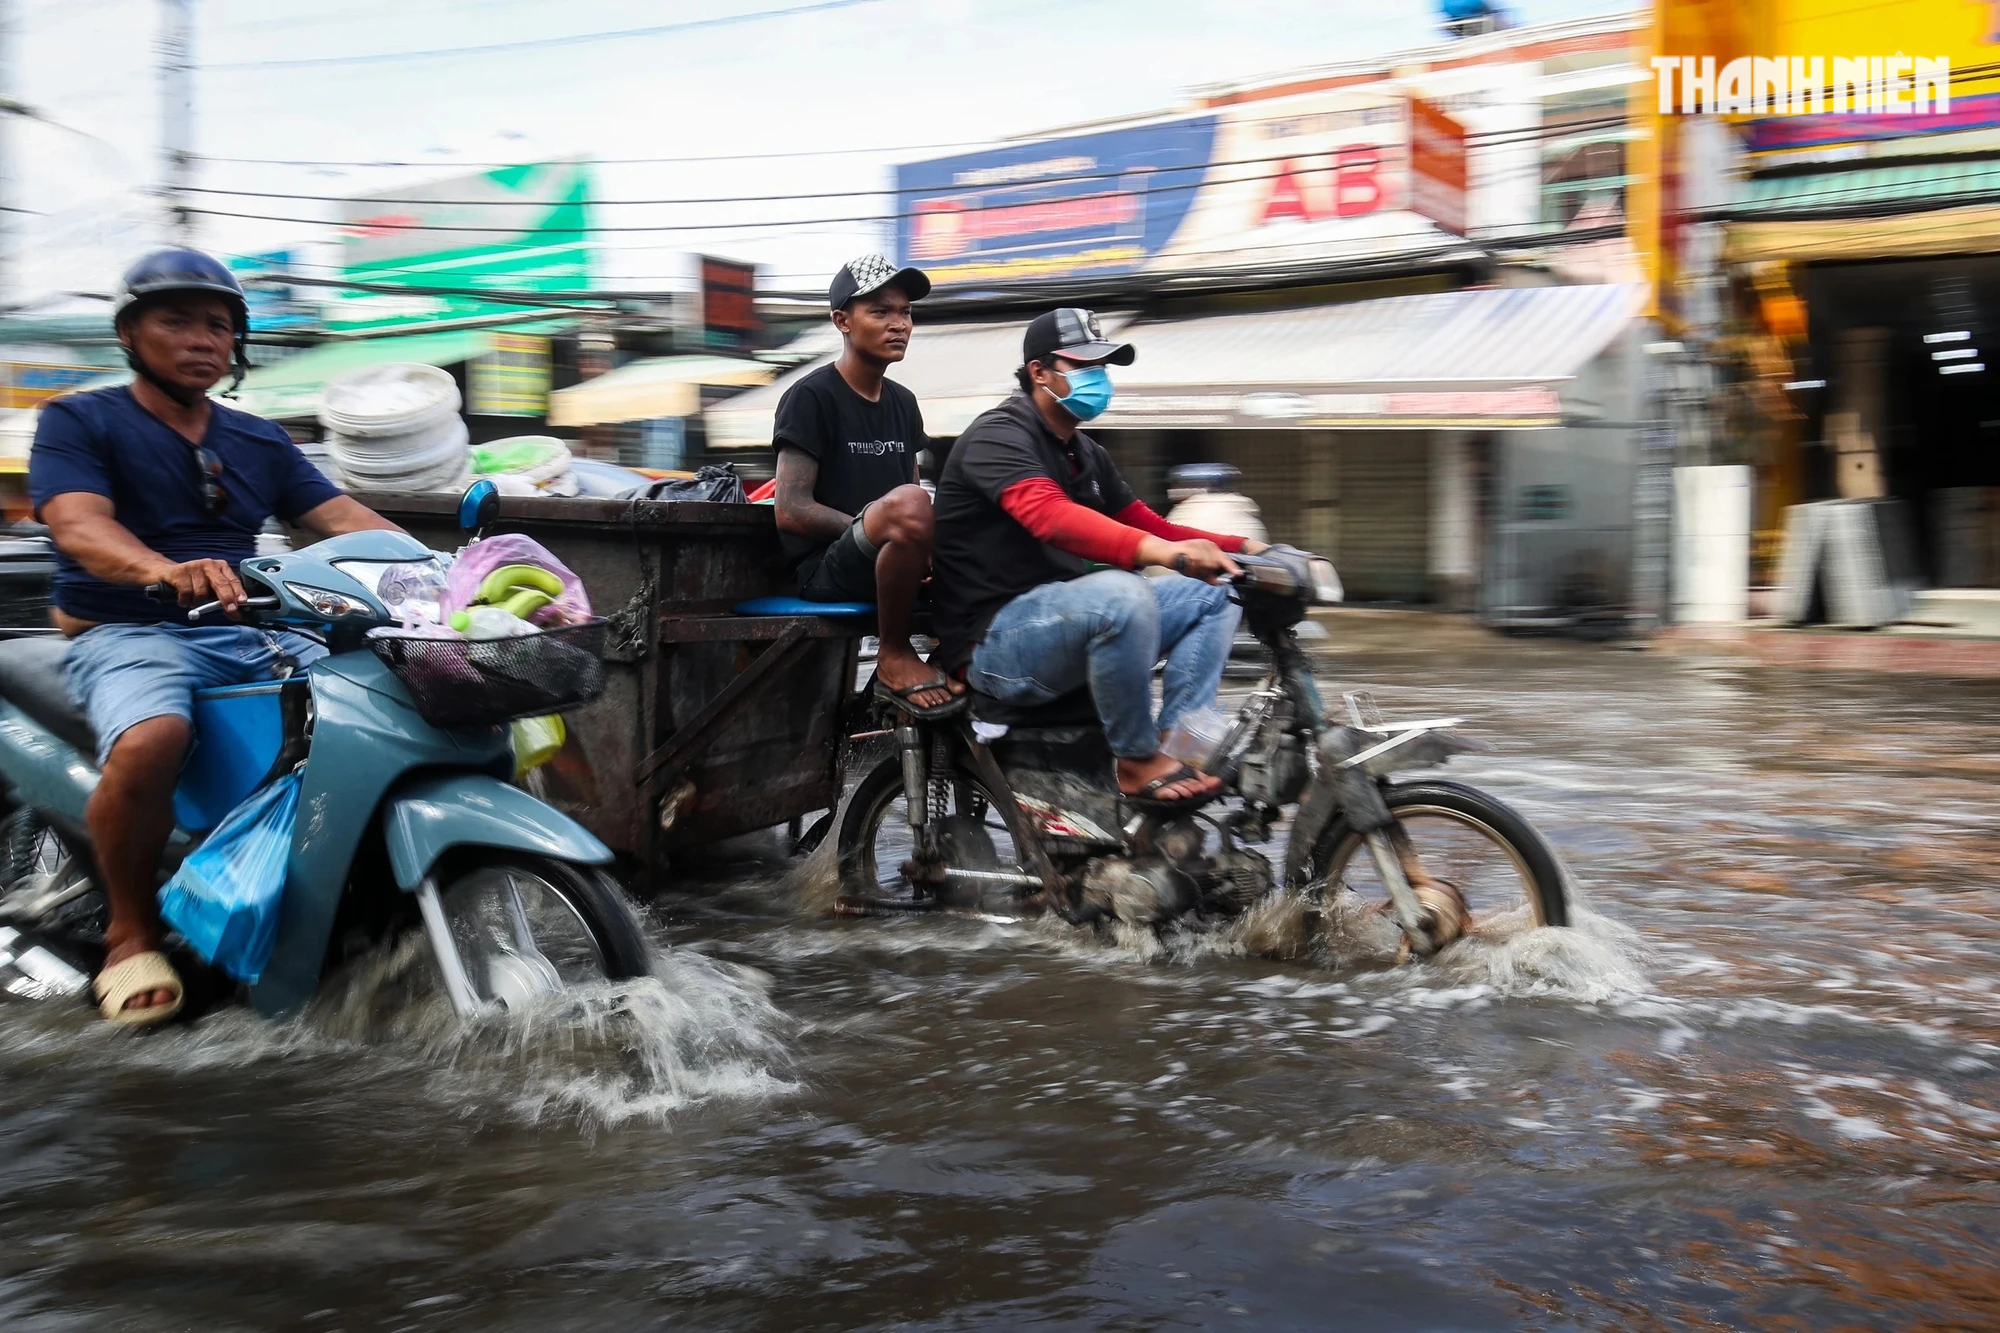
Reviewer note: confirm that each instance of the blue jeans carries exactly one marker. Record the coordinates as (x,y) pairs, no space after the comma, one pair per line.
(122,675)
(1109,628)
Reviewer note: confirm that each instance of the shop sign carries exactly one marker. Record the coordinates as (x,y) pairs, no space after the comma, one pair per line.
(722,313)
(1308,176)
(524,228)
(273,305)
(30,383)
(511,380)
(1437,166)
(1105,202)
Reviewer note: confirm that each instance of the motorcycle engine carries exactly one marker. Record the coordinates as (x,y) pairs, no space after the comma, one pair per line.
(1273,771)
(1242,878)
(1145,890)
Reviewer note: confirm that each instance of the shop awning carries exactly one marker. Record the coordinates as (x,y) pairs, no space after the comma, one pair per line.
(661,386)
(1485,359)
(291,388)
(1873,192)
(957,371)
(1889,211)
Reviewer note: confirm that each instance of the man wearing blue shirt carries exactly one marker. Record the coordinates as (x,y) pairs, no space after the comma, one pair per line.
(156,483)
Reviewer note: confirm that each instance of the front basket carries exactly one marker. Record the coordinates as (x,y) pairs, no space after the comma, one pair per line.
(479,682)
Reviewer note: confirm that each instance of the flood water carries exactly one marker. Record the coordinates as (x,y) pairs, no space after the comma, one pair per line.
(1755,1087)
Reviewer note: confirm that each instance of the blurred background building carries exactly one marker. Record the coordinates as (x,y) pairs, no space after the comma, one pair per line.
(1474,318)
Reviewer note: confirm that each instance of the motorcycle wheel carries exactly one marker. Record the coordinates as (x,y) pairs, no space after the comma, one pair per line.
(1504,871)
(875,840)
(527,926)
(34,856)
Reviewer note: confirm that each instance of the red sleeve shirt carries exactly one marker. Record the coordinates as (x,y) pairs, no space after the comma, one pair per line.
(1040,506)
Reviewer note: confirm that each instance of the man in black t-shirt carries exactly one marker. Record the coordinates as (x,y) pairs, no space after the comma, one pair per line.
(855,525)
(1027,504)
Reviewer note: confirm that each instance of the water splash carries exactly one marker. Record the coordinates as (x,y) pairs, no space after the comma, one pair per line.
(693,1030)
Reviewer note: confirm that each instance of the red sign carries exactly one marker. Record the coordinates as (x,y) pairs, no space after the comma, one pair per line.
(1341,184)
(1437,166)
(728,302)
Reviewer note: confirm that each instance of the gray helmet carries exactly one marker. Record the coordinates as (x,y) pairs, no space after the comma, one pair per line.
(166,272)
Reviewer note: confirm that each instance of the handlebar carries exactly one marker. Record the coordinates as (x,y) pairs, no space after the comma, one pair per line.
(247,604)
(167,592)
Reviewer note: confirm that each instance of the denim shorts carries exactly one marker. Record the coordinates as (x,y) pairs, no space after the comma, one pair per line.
(122,675)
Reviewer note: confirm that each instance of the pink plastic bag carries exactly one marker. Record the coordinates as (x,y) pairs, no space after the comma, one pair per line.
(481,558)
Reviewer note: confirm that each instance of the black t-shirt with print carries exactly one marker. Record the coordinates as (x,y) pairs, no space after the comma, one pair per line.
(865,450)
(981,558)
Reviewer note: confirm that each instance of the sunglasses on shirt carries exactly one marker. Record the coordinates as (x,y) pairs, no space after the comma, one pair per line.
(214,499)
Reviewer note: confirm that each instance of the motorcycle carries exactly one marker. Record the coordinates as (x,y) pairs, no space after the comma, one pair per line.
(1010,811)
(406,816)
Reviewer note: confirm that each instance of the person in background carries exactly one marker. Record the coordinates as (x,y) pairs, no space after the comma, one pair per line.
(1205,495)
(1027,505)
(854,522)
(156,483)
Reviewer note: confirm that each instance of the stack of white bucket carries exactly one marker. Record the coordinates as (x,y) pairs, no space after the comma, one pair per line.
(396,428)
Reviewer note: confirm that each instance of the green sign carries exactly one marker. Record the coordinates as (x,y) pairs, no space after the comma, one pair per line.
(518,229)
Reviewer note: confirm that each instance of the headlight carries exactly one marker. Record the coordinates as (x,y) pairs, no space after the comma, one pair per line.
(328,604)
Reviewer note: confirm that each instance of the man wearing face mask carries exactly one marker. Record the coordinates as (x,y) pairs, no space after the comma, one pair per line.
(1027,505)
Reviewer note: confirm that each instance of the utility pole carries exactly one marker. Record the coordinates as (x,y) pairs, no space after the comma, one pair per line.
(10,110)
(176,51)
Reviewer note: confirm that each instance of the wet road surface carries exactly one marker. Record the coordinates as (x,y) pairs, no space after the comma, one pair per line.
(1755,1087)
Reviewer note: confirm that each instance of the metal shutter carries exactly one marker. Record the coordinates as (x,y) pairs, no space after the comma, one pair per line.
(1383,499)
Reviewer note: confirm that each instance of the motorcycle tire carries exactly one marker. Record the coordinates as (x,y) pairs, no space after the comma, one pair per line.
(861,821)
(1540,869)
(589,892)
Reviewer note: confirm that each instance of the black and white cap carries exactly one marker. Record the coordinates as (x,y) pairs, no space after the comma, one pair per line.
(1074,335)
(858,277)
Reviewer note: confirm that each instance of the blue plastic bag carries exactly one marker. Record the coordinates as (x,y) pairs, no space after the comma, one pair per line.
(224,899)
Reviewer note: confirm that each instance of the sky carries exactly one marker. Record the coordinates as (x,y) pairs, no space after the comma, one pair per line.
(822,99)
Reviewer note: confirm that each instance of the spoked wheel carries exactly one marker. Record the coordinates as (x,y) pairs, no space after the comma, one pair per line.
(44,882)
(528,928)
(1490,874)
(976,867)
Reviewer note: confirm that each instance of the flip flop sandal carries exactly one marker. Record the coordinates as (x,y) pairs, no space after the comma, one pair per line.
(900,699)
(136,975)
(1147,798)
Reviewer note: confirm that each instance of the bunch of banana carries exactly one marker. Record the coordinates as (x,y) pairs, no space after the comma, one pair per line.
(519,590)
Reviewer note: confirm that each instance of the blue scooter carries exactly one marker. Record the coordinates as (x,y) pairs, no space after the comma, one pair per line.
(406,818)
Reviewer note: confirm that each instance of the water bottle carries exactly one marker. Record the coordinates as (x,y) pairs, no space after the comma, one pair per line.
(1196,737)
(489,622)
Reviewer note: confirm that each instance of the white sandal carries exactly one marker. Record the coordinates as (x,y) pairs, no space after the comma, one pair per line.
(142,972)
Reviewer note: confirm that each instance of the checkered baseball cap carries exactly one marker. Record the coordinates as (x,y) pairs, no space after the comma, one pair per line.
(858,277)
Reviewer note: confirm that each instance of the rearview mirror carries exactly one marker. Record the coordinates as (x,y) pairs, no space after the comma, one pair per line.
(479,506)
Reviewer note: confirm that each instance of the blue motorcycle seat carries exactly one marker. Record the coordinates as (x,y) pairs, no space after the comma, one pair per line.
(800,606)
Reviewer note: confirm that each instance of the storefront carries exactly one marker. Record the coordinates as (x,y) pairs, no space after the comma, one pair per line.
(1440,448)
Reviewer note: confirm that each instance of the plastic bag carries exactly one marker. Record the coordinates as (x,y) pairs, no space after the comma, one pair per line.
(711,485)
(481,558)
(224,899)
(536,741)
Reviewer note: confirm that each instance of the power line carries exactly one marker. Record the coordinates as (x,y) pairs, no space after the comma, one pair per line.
(539,43)
(323,19)
(1497,138)
(551,234)
(788,155)
(1490,138)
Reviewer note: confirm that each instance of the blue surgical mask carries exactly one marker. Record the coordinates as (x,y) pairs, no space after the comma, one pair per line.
(1089,392)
